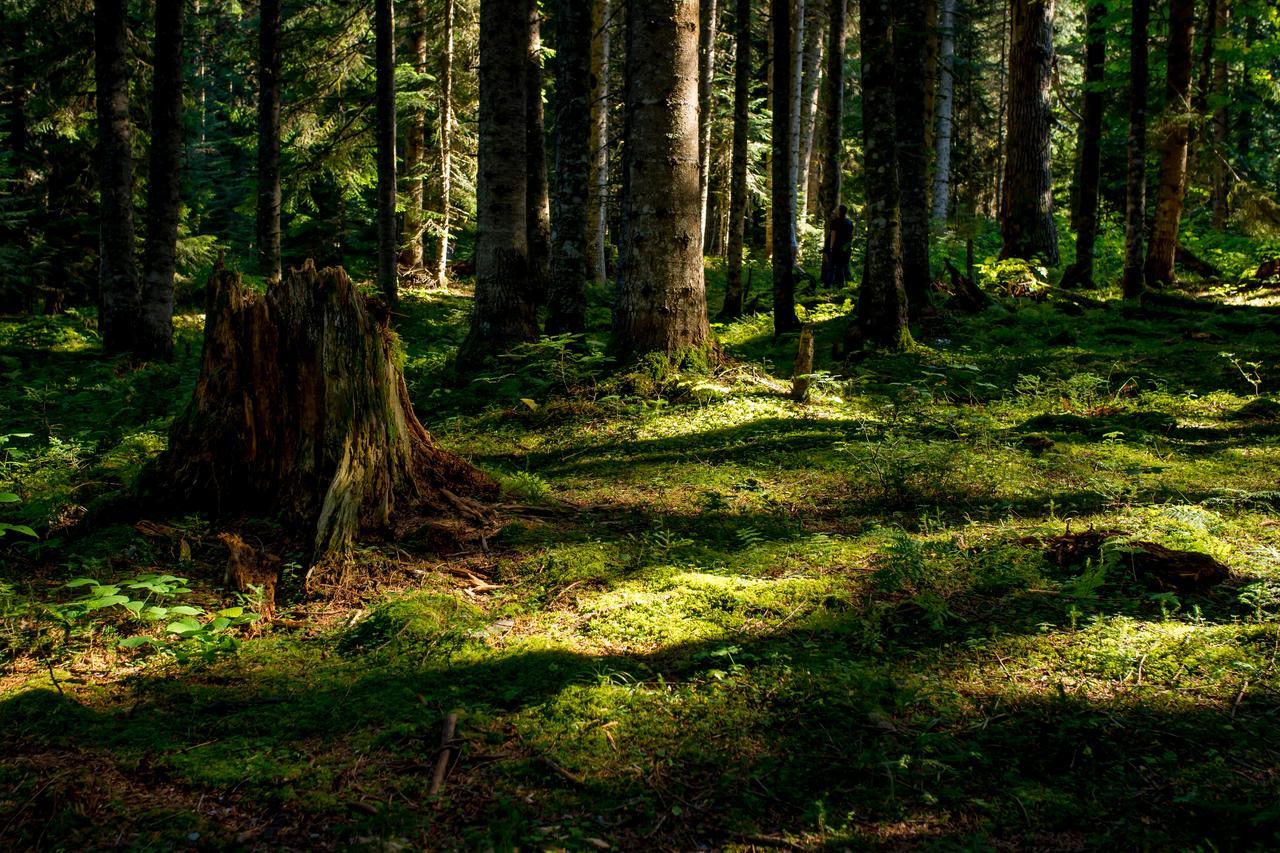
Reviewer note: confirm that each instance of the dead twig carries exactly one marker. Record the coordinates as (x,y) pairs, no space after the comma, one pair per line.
(447,748)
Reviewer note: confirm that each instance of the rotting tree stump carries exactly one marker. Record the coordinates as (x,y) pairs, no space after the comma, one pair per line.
(301,413)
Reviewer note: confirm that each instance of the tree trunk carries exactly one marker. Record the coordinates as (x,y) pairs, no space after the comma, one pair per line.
(301,413)
(538,198)
(931,71)
(385,30)
(1221,123)
(833,121)
(164,204)
(1002,106)
(446,147)
(707,24)
(771,87)
(733,292)
(1175,129)
(504,313)
(909,51)
(1080,273)
(797,96)
(943,113)
(415,150)
(567,294)
(783,210)
(1027,223)
(1135,204)
(881,318)
(812,82)
(598,217)
(118,274)
(661,302)
(269,140)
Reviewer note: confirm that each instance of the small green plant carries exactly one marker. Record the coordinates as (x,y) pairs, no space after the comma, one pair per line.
(1262,598)
(151,599)
(1169,603)
(655,546)
(1250,370)
(6,527)
(525,486)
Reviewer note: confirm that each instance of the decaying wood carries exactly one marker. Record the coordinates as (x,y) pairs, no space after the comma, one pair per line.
(1157,566)
(965,294)
(249,568)
(301,413)
(1176,571)
(447,749)
(802,373)
(1071,549)
(1188,259)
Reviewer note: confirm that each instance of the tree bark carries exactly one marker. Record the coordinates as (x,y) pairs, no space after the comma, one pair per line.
(881,318)
(707,24)
(945,105)
(504,313)
(301,412)
(446,147)
(538,198)
(782,190)
(1135,204)
(1220,171)
(1027,220)
(833,102)
(771,87)
(385,95)
(797,96)
(598,218)
(909,56)
(812,82)
(118,274)
(1174,130)
(931,71)
(1080,273)
(733,292)
(567,294)
(661,303)
(269,139)
(411,242)
(155,332)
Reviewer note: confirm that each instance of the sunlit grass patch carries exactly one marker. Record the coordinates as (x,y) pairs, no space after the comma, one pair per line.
(678,606)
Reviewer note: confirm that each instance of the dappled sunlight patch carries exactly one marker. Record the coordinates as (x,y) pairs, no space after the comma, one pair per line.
(680,606)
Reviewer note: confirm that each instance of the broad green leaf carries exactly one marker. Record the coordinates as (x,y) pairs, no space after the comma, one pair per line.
(134,642)
(231,611)
(80,582)
(183,626)
(8,498)
(186,610)
(105,601)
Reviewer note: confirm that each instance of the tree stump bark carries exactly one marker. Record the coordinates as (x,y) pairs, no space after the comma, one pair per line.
(301,413)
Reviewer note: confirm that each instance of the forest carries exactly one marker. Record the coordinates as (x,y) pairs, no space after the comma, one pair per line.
(595,425)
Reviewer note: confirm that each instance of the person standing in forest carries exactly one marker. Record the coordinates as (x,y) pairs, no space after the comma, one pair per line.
(837,247)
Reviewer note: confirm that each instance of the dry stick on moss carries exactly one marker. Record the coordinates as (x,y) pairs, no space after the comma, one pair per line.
(447,748)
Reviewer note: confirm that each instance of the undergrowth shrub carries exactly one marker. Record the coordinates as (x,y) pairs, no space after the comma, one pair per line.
(897,472)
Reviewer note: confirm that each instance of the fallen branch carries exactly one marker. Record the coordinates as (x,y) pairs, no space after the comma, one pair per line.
(447,749)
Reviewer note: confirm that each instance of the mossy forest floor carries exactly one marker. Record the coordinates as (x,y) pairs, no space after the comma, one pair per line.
(723,621)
